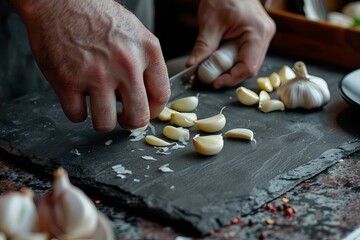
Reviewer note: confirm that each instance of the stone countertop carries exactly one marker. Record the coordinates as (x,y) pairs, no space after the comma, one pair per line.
(326,207)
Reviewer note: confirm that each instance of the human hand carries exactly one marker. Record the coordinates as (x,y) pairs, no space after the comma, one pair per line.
(245,20)
(100,49)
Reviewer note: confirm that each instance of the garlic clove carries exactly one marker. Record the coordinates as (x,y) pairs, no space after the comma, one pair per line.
(31,236)
(66,212)
(165,114)
(275,80)
(247,96)
(104,230)
(263,96)
(211,124)
(272,105)
(183,119)
(18,213)
(208,145)
(186,104)
(286,73)
(155,141)
(176,133)
(265,84)
(243,133)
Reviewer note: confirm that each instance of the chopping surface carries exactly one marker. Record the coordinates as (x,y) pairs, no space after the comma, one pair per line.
(203,193)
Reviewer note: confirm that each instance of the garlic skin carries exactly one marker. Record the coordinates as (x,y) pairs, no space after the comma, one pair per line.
(66,212)
(104,230)
(304,91)
(221,61)
(18,213)
(208,145)
(212,124)
(176,133)
(31,236)
(186,104)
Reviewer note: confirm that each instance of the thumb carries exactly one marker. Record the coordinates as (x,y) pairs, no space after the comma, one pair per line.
(206,43)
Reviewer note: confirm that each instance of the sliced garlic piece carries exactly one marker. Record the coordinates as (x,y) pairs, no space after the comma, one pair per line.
(243,133)
(165,114)
(208,145)
(211,124)
(183,119)
(155,141)
(275,80)
(247,96)
(272,105)
(176,133)
(265,84)
(286,73)
(186,104)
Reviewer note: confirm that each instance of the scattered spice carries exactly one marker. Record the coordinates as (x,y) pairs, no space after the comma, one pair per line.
(285,200)
(236,220)
(289,211)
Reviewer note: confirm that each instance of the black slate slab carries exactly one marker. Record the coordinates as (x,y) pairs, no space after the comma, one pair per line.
(203,193)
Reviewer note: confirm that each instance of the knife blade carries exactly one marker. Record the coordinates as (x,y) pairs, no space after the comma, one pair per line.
(185,76)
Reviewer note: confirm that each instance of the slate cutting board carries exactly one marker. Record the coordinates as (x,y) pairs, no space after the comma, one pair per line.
(203,193)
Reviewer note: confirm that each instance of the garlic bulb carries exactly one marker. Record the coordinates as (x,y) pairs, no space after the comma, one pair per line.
(18,214)
(66,212)
(218,63)
(304,91)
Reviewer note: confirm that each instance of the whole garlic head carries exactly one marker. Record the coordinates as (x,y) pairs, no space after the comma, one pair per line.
(304,91)
(218,63)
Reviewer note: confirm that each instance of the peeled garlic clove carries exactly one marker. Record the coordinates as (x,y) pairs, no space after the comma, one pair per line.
(176,133)
(272,105)
(208,145)
(104,230)
(265,84)
(211,124)
(247,96)
(165,114)
(286,73)
(263,96)
(155,141)
(186,104)
(66,212)
(18,212)
(275,80)
(31,236)
(183,119)
(243,133)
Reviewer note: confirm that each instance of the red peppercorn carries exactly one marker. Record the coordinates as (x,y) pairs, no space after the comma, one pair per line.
(289,211)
